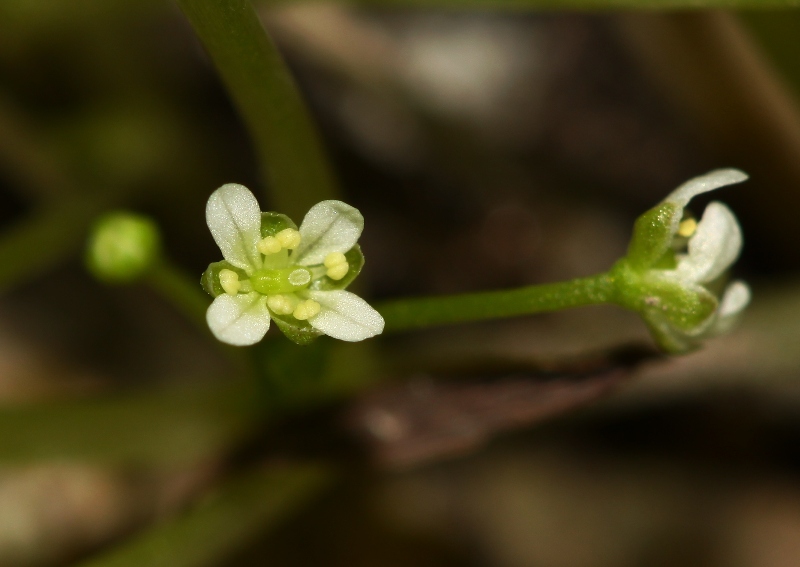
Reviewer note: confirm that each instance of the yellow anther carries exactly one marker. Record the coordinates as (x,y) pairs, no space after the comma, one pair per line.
(334,259)
(306,309)
(281,304)
(337,265)
(289,238)
(229,280)
(269,245)
(687,227)
(338,271)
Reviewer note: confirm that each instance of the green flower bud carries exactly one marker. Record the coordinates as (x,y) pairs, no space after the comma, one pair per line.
(122,247)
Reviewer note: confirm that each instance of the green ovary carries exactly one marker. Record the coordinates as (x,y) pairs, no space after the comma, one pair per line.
(285,280)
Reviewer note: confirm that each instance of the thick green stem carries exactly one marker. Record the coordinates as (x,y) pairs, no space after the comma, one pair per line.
(422,312)
(255,75)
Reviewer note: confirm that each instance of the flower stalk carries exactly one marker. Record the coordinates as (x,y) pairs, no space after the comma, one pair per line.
(417,313)
(673,276)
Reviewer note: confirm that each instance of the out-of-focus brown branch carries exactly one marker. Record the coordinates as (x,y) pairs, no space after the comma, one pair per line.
(402,425)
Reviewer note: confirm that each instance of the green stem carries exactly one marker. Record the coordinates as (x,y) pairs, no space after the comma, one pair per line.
(233,516)
(255,75)
(186,295)
(423,312)
(33,246)
(181,290)
(157,428)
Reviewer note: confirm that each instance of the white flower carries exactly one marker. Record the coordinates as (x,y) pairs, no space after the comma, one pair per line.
(713,245)
(274,271)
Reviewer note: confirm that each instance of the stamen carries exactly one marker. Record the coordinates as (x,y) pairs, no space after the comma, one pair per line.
(337,265)
(229,280)
(687,227)
(281,304)
(306,309)
(269,245)
(300,276)
(289,238)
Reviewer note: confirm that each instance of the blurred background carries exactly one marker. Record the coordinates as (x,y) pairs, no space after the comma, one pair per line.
(486,150)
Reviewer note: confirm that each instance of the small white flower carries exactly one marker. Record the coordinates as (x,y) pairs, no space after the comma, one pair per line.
(274,271)
(713,246)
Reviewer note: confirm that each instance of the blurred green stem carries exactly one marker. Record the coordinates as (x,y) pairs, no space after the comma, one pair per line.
(187,296)
(290,151)
(404,314)
(163,427)
(35,245)
(181,290)
(234,515)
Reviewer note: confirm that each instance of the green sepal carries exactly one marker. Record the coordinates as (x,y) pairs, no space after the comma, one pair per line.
(684,308)
(299,332)
(668,338)
(652,236)
(210,278)
(669,261)
(273,223)
(356,261)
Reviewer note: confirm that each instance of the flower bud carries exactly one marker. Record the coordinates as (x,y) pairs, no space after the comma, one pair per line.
(122,247)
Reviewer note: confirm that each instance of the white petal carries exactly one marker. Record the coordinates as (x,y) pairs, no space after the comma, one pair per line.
(713,247)
(234,218)
(330,226)
(345,316)
(708,182)
(735,299)
(239,320)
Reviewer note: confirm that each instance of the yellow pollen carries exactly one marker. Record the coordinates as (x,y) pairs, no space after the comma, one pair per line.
(229,280)
(281,304)
(687,227)
(289,238)
(337,265)
(306,309)
(269,245)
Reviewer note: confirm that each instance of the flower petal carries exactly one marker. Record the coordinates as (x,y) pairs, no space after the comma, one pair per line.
(330,226)
(713,247)
(345,316)
(239,320)
(708,182)
(734,300)
(234,218)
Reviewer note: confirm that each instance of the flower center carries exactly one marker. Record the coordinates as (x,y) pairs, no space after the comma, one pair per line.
(284,280)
